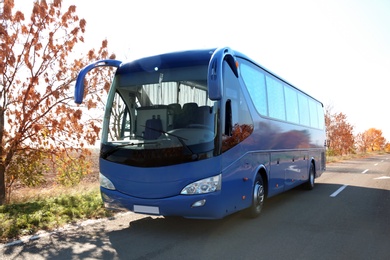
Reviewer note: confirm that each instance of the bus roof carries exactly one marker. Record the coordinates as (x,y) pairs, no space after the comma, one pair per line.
(184,59)
(168,60)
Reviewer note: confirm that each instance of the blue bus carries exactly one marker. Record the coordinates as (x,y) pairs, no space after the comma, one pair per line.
(204,134)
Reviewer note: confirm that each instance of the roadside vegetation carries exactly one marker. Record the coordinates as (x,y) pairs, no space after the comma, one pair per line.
(49,213)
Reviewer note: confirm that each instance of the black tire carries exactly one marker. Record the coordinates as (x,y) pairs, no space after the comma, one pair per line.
(309,185)
(258,196)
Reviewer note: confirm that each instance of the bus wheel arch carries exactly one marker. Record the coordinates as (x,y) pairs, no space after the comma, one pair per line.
(258,195)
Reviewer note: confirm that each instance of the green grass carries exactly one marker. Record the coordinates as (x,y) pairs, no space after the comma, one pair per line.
(26,218)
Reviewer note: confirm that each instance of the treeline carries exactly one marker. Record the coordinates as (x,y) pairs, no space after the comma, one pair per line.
(341,139)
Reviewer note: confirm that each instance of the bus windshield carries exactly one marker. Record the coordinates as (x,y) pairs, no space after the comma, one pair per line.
(159,117)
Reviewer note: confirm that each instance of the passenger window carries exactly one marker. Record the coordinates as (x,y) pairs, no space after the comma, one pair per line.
(313,114)
(304,117)
(291,104)
(321,120)
(254,80)
(276,106)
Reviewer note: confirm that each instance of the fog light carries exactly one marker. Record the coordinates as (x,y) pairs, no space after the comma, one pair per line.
(199,203)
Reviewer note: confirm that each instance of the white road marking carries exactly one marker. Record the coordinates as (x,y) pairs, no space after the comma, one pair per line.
(366,170)
(376,164)
(382,178)
(334,194)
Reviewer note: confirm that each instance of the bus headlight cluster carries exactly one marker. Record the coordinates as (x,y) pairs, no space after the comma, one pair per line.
(105,182)
(207,185)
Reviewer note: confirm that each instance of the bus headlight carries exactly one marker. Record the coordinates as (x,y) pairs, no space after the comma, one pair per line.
(105,182)
(207,185)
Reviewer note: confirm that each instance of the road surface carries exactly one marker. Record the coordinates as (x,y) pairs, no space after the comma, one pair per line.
(346,216)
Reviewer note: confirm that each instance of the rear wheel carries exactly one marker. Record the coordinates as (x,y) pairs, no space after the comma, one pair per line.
(309,185)
(258,196)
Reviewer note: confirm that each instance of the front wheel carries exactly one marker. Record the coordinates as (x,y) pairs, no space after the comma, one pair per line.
(258,196)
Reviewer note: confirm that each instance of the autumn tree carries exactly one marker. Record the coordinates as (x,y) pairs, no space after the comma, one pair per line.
(371,140)
(340,139)
(387,147)
(38,118)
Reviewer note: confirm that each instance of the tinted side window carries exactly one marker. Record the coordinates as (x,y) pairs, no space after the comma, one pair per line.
(254,80)
(291,104)
(275,99)
(313,114)
(304,117)
(321,120)
(275,96)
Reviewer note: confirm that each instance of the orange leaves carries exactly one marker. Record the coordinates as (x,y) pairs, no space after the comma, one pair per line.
(37,127)
(39,10)
(18,17)
(8,5)
(91,104)
(82,24)
(339,133)
(57,3)
(91,55)
(371,140)
(77,114)
(104,44)
(340,138)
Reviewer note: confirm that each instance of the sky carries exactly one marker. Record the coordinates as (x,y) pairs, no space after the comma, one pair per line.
(338,51)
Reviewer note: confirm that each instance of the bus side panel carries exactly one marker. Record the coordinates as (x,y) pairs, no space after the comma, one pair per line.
(240,167)
(277,174)
(318,156)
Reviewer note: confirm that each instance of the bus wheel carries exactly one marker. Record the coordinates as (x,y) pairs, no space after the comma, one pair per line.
(258,196)
(309,185)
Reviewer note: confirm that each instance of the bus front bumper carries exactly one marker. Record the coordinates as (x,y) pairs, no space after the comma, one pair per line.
(203,206)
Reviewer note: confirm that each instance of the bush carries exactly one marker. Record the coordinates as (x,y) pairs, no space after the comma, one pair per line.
(70,171)
(29,217)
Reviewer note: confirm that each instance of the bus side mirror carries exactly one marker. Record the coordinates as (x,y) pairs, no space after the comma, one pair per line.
(215,75)
(79,87)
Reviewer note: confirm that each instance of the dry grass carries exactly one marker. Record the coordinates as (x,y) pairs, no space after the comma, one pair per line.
(50,189)
(25,194)
(333,159)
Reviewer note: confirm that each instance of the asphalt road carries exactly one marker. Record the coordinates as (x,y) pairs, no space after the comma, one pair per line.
(346,216)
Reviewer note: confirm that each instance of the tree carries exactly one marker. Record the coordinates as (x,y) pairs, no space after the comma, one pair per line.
(339,133)
(38,118)
(387,147)
(371,140)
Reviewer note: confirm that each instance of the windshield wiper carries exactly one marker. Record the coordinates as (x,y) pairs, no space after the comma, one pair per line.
(105,154)
(181,140)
